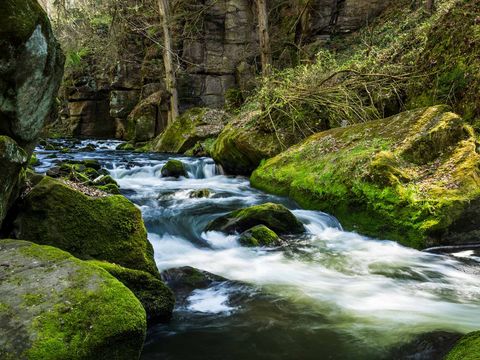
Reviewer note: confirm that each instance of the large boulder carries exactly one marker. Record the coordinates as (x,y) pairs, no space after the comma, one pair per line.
(104,228)
(174,168)
(259,235)
(414,177)
(148,119)
(242,145)
(275,216)
(157,299)
(31,68)
(194,126)
(65,308)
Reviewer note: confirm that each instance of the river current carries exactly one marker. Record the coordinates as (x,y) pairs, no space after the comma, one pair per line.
(330,294)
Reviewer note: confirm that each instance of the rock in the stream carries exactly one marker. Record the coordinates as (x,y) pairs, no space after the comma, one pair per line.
(259,235)
(108,228)
(186,279)
(54,306)
(174,168)
(201,193)
(275,216)
(156,298)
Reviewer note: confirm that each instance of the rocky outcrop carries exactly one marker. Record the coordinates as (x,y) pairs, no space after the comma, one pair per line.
(31,68)
(414,177)
(108,228)
(191,131)
(242,145)
(277,217)
(54,306)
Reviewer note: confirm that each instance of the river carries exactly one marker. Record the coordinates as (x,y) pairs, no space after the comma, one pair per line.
(329,294)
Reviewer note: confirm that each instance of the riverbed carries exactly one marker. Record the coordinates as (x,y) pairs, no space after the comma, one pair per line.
(329,294)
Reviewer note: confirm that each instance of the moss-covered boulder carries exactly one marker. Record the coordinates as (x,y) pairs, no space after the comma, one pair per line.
(174,168)
(467,348)
(12,160)
(31,69)
(242,145)
(148,118)
(413,177)
(275,216)
(126,147)
(106,228)
(194,126)
(156,298)
(54,306)
(259,235)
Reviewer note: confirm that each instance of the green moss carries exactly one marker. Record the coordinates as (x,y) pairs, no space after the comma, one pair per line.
(277,217)
(156,298)
(174,168)
(126,147)
(468,348)
(72,310)
(259,235)
(407,178)
(109,228)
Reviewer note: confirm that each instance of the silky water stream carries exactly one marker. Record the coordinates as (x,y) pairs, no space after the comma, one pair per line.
(330,294)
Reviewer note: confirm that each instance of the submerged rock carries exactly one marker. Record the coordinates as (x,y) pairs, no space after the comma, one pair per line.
(107,228)
(194,126)
(275,216)
(414,177)
(259,235)
(65,308)
(174,168)
(156,298)
(201,193)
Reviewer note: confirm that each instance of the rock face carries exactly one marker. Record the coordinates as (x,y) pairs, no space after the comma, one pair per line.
(31,68)
(194,127)
(414,178)
(65,308)
(108,228)
(277,217)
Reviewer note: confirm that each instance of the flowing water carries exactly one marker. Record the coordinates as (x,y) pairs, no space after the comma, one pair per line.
(330,294)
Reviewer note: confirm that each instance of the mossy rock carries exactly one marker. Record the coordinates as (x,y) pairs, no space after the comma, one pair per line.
(156,298)
(259,235)
(275,216)
(201,193)
(108,228)
(126,147)
(413,177)
(54,306)
(174,168)
(193,126)
(12,160)
(467,348)
(242,146)
(145,122)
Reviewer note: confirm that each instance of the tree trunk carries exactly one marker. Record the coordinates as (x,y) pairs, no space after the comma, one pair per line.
(265,47)
(171,80)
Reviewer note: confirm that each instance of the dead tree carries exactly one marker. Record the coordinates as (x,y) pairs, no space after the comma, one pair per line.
(265,46)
